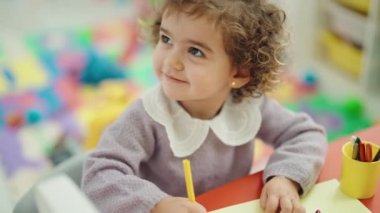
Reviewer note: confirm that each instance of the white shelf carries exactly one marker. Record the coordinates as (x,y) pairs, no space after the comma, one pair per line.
(306,18)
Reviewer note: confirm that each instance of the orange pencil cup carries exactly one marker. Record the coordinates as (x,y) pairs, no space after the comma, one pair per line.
(359,179)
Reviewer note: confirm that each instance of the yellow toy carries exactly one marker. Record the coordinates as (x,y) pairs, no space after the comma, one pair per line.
(103,106)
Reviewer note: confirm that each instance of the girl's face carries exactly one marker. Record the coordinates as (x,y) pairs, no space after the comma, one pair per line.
(190,60)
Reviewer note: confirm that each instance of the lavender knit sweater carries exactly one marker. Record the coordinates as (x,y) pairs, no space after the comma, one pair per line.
(133,167)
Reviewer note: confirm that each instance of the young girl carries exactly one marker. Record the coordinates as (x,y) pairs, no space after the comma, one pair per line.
(215,60)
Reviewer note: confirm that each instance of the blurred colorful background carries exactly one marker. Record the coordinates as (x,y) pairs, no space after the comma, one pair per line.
(69,68)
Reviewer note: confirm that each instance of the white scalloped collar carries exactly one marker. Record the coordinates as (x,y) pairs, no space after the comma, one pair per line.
(236,124)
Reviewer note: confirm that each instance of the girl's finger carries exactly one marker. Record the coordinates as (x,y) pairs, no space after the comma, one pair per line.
(298,208)
(272,204)
(263,198)
(286,205)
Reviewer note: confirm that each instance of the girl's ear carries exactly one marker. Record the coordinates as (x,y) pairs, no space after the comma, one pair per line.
(241,77)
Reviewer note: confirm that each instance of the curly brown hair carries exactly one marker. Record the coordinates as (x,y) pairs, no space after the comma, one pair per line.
(253,36)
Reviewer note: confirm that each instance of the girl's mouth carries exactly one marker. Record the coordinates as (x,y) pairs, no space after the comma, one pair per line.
(174,79)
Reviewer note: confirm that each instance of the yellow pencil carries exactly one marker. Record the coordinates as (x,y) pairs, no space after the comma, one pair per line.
(188,179)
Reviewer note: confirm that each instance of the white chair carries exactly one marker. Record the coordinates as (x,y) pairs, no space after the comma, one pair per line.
(71,167)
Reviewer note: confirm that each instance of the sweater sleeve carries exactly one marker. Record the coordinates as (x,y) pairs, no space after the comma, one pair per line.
(300,144)
(110,177)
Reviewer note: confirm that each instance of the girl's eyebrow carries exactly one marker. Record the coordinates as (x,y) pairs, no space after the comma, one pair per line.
(191,41)
(165,31)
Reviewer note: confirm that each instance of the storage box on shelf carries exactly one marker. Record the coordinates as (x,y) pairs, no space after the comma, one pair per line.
(347,23)
(341,53)
(358,5)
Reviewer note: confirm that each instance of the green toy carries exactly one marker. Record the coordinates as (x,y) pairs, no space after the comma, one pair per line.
(339,118)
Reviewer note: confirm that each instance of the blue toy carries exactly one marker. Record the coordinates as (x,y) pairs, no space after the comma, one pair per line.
(99,68)
(33,116)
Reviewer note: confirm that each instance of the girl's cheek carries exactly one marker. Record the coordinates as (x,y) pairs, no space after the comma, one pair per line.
(157,63)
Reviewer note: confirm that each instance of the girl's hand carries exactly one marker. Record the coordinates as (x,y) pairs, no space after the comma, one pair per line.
(177,204)
(280,194)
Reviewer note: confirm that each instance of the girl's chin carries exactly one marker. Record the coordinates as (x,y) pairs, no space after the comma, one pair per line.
(173,94)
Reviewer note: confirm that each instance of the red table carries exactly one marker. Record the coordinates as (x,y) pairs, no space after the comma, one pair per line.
(249,187)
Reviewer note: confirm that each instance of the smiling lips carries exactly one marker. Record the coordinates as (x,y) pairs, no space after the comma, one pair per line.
(176,80)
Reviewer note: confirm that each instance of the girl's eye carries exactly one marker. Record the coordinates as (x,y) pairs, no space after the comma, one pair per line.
(196,52)
(165,39)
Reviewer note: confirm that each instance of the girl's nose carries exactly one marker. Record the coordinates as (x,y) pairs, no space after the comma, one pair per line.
(178,66)
(175,62)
